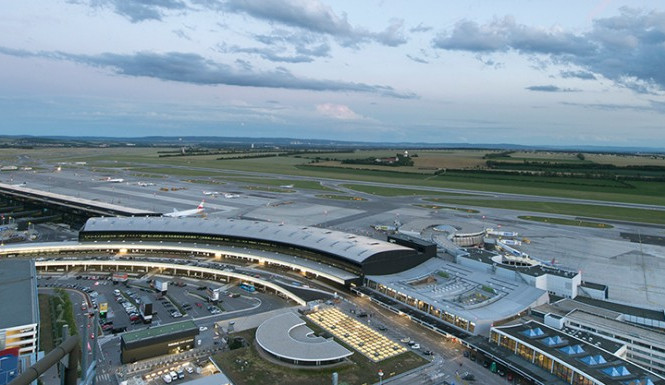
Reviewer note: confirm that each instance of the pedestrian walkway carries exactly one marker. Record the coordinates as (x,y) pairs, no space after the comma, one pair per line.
(103,379)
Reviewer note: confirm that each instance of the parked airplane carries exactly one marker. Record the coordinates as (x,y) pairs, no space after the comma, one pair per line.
(113,180)
(185,213)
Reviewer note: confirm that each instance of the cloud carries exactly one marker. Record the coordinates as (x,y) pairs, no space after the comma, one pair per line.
(654,106)
(627,49)
(337,111)
(420,28)
(137,11)
(285,46)
(268,54)
(550,88)
(195,69)
(417,59)
(314,16)
(584,75)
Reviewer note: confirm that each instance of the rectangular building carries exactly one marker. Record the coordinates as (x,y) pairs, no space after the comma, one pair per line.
(19,313)
(577,360)
(157,341)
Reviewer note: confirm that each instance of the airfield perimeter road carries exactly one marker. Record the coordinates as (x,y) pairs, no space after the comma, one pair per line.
(635,267)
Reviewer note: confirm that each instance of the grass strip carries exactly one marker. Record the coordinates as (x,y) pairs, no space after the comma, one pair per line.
(340,197)
(567,222)
(574,209)
(438,207)
(395,191)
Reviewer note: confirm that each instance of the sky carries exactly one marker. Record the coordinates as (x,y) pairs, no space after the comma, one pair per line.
(567,72)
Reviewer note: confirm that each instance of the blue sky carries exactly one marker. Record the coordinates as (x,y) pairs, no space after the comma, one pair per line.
(525,72)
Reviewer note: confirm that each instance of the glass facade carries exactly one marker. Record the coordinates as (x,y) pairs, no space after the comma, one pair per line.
(563,372)
(423,306)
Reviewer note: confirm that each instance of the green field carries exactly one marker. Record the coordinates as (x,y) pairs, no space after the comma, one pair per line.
(304,184)
(340,197)
(567,222)
(394,191)
(460,169)
(593,211)
(439,207)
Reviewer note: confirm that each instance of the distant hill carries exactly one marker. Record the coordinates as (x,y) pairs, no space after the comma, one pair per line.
(218,141)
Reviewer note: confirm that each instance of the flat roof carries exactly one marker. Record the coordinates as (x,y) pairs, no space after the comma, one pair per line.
(68,198)
(513,296)
(157,331)
(536,270)
(354,248)
(213,379)
(596,361)
(658,315)
(19,304)
(617,327)
(287,336)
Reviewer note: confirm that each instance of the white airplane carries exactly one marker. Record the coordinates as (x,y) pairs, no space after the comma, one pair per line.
(145,184)
(211,193)
(113,180)
(185,213)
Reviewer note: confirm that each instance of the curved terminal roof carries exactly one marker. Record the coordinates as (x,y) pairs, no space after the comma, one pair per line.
(353,248)
(287,336)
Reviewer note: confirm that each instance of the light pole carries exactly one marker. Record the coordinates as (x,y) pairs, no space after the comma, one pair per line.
(380,377)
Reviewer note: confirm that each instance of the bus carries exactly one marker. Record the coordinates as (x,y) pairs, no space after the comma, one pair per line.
(248,286)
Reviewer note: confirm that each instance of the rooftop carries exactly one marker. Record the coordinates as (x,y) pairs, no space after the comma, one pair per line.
(355,248)
(286,335)
(67,198)
(18,293)
(596,359)
(157,331)
(658,315)
(442,284)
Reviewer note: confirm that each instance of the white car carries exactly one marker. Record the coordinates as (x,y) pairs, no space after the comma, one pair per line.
(203,328)
(189,369)
(415,346)
(167,378)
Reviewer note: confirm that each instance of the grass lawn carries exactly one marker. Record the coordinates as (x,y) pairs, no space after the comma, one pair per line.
(569,222)
(341,197)
(582,188)
(45,324)
(258,371)
(393,191)
(438,207)
(269,189)
(593,211)
(304,184)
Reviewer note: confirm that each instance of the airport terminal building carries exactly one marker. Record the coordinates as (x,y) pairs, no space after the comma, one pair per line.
(358,255)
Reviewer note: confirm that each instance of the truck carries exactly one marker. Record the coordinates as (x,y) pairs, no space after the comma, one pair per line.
(160,285)
(145,309)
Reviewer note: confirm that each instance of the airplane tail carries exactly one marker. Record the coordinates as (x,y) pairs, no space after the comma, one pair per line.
(200,206)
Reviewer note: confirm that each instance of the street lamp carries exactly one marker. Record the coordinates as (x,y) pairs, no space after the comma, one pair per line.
(380,377)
